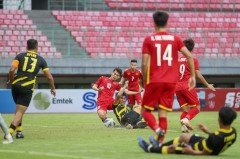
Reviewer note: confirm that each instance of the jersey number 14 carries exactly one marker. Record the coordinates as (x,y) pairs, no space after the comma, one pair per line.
(167,55)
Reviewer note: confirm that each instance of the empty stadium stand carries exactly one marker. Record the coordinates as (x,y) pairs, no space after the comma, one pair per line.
(175,5)
(16,29)
(120,34)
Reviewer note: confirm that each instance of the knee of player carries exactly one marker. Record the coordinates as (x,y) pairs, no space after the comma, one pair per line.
(184,138)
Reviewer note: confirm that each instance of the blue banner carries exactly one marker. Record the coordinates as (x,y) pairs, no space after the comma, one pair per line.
(7,104)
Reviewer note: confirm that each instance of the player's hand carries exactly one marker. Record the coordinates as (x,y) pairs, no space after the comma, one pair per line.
(191,83)
(53,92)
(9,82)
(211,87)
(100,89)
(203,128)
(187,149)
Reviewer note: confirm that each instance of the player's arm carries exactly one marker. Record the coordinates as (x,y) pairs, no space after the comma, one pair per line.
(11,74)
(203,80)
(49,76)
(188,150)
(204,129)
(122,80)
(188,55)
(120,93)
(145,59)
(131,92)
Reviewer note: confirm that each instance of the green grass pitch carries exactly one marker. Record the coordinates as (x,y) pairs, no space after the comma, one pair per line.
(83,136)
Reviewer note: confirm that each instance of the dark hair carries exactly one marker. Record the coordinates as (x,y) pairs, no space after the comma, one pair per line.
(124,94)
(119,70)
(134,60)
(160,18)
(32,44)
(189,43)
(227,115)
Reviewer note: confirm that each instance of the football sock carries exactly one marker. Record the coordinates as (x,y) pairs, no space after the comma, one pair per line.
(183,115)
(3,125)
(171,142)
(19,128)
(150,119)
(163,125)
(192,113)
(12,129)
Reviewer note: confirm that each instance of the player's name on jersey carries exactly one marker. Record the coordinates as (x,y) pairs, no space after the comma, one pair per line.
(31,54)
(182,59)
(62,101)
(162,37)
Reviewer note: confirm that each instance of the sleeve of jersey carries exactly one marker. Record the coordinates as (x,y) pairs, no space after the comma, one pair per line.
(145,47)
(15,63)
(44,65)
(179,43)
(118,87)
(208,144)
(99,81)
(125,74)
(196,64)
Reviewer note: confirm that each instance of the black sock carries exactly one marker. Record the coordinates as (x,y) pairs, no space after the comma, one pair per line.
(12,127)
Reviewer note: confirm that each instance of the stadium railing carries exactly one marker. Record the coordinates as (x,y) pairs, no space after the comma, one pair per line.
(131,5)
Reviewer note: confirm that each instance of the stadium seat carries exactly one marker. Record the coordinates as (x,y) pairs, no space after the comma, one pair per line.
(169,5)
(16,26)
(121,33)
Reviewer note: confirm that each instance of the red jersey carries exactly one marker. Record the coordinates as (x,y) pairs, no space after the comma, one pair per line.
(163,49)
(133,79)
(184,73)
(109,88)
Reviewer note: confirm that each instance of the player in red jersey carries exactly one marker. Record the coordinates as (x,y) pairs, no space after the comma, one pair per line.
(188,100)
(106,86)
(134,77)
(160,74)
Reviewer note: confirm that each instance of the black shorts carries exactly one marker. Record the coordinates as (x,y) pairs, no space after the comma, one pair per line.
(131,117)
(22,95)
(196,142)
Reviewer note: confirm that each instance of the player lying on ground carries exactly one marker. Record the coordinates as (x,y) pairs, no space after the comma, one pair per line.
(127,115)
(216,143)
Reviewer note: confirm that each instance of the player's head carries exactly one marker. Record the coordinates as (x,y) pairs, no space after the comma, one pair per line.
(227,115)
(32,44)
(133,64)
(116,74)
(122,100)
(189,43)
(160,19)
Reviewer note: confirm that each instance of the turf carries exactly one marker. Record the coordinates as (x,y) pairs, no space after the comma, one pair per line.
(83,136)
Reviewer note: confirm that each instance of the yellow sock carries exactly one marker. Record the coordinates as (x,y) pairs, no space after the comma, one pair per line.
(19,128)
(11,131)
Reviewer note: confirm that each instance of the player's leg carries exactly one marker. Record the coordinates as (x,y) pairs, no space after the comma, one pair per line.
(165,105)
(20,110)
(102,114)
(138,98)
(4,128)
(150,100)
(183,104)
(131,99)
(193,101)
(23,99)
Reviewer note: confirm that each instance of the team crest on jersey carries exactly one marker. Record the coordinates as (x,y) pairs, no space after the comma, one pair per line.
(109,85)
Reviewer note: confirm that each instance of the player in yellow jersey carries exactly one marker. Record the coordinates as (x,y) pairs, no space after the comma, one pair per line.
(27,65)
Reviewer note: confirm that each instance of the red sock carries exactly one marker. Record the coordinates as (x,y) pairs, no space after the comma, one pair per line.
(163,124)
(192,113)
(183,115)
(150,119)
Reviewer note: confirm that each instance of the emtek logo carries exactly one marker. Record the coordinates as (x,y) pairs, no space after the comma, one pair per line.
(41,101)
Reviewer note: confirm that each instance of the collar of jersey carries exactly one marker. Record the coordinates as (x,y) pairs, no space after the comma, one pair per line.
(225,131)
(32,52)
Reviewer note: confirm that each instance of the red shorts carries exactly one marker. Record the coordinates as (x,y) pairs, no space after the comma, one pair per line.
(159,94)
(133,98)
(105,105)
(186,97)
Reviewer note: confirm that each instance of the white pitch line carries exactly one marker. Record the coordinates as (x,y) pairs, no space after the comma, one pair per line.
(42,154)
